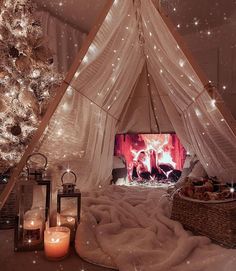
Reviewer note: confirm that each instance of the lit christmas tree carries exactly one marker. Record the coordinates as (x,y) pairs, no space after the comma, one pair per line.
(27,78)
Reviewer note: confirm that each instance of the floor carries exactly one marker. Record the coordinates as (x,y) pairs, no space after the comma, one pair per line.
(35,261)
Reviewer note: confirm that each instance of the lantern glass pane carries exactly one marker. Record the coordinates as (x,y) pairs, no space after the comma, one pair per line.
(69,206)
(31,216)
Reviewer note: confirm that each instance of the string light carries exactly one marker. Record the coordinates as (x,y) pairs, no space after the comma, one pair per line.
(26,81)
(181,63)
(213,103)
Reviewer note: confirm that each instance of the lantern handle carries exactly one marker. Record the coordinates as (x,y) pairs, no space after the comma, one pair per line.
(40,154)
(67,172)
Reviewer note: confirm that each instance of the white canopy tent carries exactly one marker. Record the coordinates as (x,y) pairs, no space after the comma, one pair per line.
(132,75)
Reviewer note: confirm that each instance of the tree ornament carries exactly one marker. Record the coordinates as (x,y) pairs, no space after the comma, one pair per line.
(27,98)
(3,73)
(4,33)
(2,105)
(13,52)
(23,64)
(43,54)
(16,130)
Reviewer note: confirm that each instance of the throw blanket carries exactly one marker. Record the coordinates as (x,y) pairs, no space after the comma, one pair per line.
(128,228)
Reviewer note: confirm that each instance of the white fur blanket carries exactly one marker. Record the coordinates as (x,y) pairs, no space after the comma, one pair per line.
(129,228)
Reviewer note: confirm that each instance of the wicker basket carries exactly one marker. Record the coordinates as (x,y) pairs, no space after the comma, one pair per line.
(8,212)
(214,220)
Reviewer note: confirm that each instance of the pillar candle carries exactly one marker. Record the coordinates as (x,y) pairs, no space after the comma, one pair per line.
(56,242)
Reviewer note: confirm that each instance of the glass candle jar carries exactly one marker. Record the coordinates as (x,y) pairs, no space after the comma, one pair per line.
(69,222)
(33,227)
(56,242)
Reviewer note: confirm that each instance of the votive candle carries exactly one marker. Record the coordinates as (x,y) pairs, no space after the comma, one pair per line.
(56,242)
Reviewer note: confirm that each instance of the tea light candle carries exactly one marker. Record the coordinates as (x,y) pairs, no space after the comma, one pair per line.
(33,230)
(56,242)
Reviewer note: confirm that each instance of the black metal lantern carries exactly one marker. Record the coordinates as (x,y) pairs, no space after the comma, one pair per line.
(33,206)
(69,191)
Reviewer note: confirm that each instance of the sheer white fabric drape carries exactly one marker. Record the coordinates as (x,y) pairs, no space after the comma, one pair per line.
(199,123)
(81,133)
(64,40)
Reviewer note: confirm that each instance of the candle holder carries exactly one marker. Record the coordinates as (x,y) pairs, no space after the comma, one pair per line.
(56,243)
(69,191)
(32,213)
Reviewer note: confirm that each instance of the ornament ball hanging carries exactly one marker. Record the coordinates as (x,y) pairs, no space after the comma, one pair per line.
(16,130)
(13,52)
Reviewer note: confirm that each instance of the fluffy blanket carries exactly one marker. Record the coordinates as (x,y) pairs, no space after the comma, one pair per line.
(129,228)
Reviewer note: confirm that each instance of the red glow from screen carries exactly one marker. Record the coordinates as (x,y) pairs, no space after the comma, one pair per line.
(150,156)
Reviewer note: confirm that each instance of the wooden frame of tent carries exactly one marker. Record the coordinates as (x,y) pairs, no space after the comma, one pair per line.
(212,91)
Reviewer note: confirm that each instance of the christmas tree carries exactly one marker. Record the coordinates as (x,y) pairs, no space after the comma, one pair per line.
(27,78)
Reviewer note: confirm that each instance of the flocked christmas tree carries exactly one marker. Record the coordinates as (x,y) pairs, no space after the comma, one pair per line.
(27,78)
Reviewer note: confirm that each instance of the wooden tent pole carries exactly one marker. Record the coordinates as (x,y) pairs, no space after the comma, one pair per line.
(54,103)
(212,91)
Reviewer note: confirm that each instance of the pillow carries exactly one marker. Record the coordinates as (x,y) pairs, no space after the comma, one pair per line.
(198,171)
(192,168)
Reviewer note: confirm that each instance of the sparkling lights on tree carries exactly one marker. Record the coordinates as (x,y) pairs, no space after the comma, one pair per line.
(27,78)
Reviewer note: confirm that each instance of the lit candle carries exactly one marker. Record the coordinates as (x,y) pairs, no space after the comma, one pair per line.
(33,230)
(69,222)
(56,242)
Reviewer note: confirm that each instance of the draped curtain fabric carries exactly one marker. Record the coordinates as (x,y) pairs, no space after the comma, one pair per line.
(64,40)
(81,133)
(206,131)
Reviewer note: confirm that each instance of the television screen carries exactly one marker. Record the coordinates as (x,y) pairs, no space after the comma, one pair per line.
(148,158)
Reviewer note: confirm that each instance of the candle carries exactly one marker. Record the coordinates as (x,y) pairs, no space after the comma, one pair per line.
(69,222)
(33,230)
(56,242)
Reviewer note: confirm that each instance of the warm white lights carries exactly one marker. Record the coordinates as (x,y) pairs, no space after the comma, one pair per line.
(69,91)
(213,103)
(108,17)
(198,113)
(232,190)
(92,48)
(181,63)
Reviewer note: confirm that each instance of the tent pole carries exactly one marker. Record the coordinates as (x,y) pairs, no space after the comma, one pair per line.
(54,103)
(212,91)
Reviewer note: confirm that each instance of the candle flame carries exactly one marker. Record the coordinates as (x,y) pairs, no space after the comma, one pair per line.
(55,240)
(70,219)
